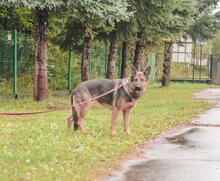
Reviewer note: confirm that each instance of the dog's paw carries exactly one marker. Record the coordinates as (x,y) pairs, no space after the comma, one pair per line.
(114,133)
(83,131)
(128,132)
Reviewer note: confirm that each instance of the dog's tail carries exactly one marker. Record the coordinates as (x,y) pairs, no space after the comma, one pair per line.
(74,114)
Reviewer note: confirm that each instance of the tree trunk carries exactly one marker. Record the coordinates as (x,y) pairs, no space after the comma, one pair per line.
(124,59)
(112,55)
(166,64)
(85,58)
(139,51)
(41,74)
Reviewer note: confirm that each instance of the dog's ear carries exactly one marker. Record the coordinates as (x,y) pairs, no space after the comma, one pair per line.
(147,71)
(133,70)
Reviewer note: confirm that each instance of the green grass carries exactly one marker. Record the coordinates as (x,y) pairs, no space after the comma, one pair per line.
(41,148)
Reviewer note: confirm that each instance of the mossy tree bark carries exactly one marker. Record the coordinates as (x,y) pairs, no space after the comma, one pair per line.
(41,72)
(112,55)
(167,64)
(85,57)
(139,51)
(124,59)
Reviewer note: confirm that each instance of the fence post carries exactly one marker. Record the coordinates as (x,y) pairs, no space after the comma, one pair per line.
(106,60)
(90,66)
(210,66)
(157,65)
(194,61)
(200,66)
(15,64)
(69,71)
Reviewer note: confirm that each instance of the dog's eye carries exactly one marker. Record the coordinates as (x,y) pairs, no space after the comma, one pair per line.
(135,80)
(142,80)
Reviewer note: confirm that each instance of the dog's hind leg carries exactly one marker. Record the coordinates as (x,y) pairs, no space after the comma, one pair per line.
(79,108)
(82,113)
(75,118)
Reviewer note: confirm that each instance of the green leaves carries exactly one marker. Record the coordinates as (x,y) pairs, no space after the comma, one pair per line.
(40,4)
(204,28)
(103,11)
(89,17)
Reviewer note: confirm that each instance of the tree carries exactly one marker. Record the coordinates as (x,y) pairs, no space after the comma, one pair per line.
(42,8)
(181,19)
(216,39)
(124,62)
(101,16)
(166,65)
(187,19)
(123,33)
(216,43)
(178,21)
(152,19)
(127,32)
(205,27)
(41,72)
(114,40)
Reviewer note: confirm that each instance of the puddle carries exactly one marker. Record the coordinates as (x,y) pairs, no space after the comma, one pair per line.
(190,154)
(142,172)
(182,139)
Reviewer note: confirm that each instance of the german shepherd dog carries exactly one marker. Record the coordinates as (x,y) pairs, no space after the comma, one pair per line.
(123,97)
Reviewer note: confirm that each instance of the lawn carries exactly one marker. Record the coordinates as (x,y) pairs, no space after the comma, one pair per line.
(41,148)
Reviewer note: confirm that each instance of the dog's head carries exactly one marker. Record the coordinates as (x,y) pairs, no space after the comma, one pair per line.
(139,80)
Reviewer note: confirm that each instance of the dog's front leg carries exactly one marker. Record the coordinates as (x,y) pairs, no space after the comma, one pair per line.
(126,116)
(70,122)
(115,113)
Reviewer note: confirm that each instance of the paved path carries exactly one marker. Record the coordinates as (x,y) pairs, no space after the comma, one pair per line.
(189,154)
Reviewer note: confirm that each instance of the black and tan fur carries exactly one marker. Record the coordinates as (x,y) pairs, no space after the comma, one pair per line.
(121,99)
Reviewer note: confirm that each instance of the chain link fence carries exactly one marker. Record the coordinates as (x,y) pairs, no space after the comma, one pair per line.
(6,59)
(16,62)
(17,53)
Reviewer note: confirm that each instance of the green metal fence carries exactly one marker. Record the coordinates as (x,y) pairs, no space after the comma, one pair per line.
(17,53)
(6,60)
(16,61)
(186,67)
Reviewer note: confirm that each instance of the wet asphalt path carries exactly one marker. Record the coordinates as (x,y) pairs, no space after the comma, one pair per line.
(190,154)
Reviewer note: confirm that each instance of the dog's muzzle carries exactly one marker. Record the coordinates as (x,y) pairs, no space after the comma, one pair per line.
(138,90)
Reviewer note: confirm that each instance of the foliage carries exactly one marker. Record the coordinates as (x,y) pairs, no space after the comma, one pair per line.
(170,20)
(216,43)
(159,19)
(82,21)
(70,20)
(33,4)
(205,23)
(41,148)
(16,18)
(110,11)
(58,68)
(205,27)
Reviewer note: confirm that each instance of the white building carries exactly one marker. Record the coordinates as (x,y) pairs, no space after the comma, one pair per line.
(182,51)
